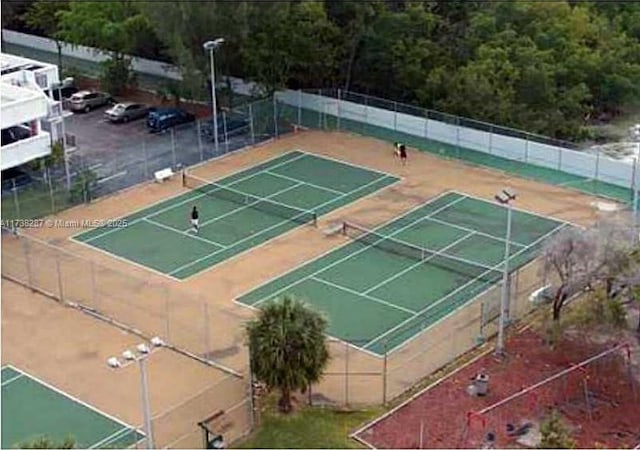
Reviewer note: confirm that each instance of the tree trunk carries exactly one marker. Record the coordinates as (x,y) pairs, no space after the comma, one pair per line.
(284,404)
(352,58)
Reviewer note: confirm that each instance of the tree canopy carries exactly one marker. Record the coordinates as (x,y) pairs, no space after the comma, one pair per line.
(541,66)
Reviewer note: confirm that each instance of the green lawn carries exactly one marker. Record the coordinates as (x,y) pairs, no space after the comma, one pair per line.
(309,428)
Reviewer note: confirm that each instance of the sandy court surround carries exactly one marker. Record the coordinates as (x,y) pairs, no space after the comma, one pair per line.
(424,176)
(69,350)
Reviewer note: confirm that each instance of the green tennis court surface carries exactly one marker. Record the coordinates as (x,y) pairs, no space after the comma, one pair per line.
(32,409)
(236,213)
(384,287)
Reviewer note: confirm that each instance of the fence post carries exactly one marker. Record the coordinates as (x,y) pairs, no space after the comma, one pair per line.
(27,254)
(173,147)
(526,150)
(385,363)
(457,137)
(339,114)
(207,341)
(634,186)
(226,136)
(559,159)
(490,139)
(146,159)
(59,275)
(251,126)
(94,287)
(366,110)
(299,107)
(275,116)
(15,198)
(346,373)
(199,131)
(53,201)
(395,120)
(426,124)
(597,169)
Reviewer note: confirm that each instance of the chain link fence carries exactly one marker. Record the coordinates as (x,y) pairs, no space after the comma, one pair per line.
(356,377)
(136,160)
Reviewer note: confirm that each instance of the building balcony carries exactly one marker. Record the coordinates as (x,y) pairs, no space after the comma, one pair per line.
(25,150)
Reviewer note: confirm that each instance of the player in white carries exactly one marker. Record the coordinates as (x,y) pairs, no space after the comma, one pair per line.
(194,219)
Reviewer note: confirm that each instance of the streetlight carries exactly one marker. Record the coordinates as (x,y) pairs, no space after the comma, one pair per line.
(143,352)
(504,198)
(211,46)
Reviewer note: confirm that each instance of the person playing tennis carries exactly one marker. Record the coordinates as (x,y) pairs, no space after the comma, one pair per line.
(194,219)
(401,152)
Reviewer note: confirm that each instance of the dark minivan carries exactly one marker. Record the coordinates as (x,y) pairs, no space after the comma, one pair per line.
(160,119)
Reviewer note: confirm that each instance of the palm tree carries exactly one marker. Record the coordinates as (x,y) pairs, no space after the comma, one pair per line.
(45,442)
(288,347)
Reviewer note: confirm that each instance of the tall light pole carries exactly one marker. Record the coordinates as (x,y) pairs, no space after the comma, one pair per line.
(504,198)
(211,46)
(143,352)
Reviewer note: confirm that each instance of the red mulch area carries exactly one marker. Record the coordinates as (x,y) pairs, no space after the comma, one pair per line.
(438,417)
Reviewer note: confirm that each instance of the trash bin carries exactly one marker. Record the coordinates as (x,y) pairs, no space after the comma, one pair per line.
(481,383)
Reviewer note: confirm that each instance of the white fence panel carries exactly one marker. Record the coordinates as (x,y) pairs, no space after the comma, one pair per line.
(442,132)
(412,125)
(508,147)
(579,163)
(615,172)
(542,155)
(353,111)
(380,118)
(475,139)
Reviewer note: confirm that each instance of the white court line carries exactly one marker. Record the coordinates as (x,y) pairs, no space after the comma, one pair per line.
(514,208)
(192,198)
(360,294)
(317,186)
(249,205)
(180,194)
(458,289)
(364,248)
(347,163)
(419,263)
(10,380)
(331,250)
(112,437)
(72,398)
(277,225)
(182,232)
(480,233)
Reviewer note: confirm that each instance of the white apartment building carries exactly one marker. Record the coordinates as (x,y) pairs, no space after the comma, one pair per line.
(31,120)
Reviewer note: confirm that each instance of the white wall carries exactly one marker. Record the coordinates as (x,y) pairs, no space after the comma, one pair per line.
(599,167)
(26,150)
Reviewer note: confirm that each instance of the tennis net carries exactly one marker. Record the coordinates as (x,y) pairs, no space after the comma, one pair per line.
(462,266)
(263,204)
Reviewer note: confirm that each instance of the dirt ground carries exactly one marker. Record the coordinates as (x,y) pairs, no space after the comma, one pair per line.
(437,417)
(69,350)
(424,177)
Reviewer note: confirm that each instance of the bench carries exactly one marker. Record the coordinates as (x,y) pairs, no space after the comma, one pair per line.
(163,174)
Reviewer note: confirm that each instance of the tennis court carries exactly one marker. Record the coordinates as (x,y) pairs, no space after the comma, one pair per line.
(237,213)
(33,409)
(387,285)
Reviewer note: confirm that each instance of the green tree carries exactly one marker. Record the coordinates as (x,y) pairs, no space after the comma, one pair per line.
(288,347)
(43,16)
(554,433)
(45,442)
(113,27)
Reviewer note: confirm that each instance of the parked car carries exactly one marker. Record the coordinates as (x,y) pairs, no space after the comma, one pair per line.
(124,112)
(234,125)
(65,89)
(14,178)
(14,134)
(161,119)
(87,100)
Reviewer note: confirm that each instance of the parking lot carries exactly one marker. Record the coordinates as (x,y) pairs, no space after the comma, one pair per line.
(124,154)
